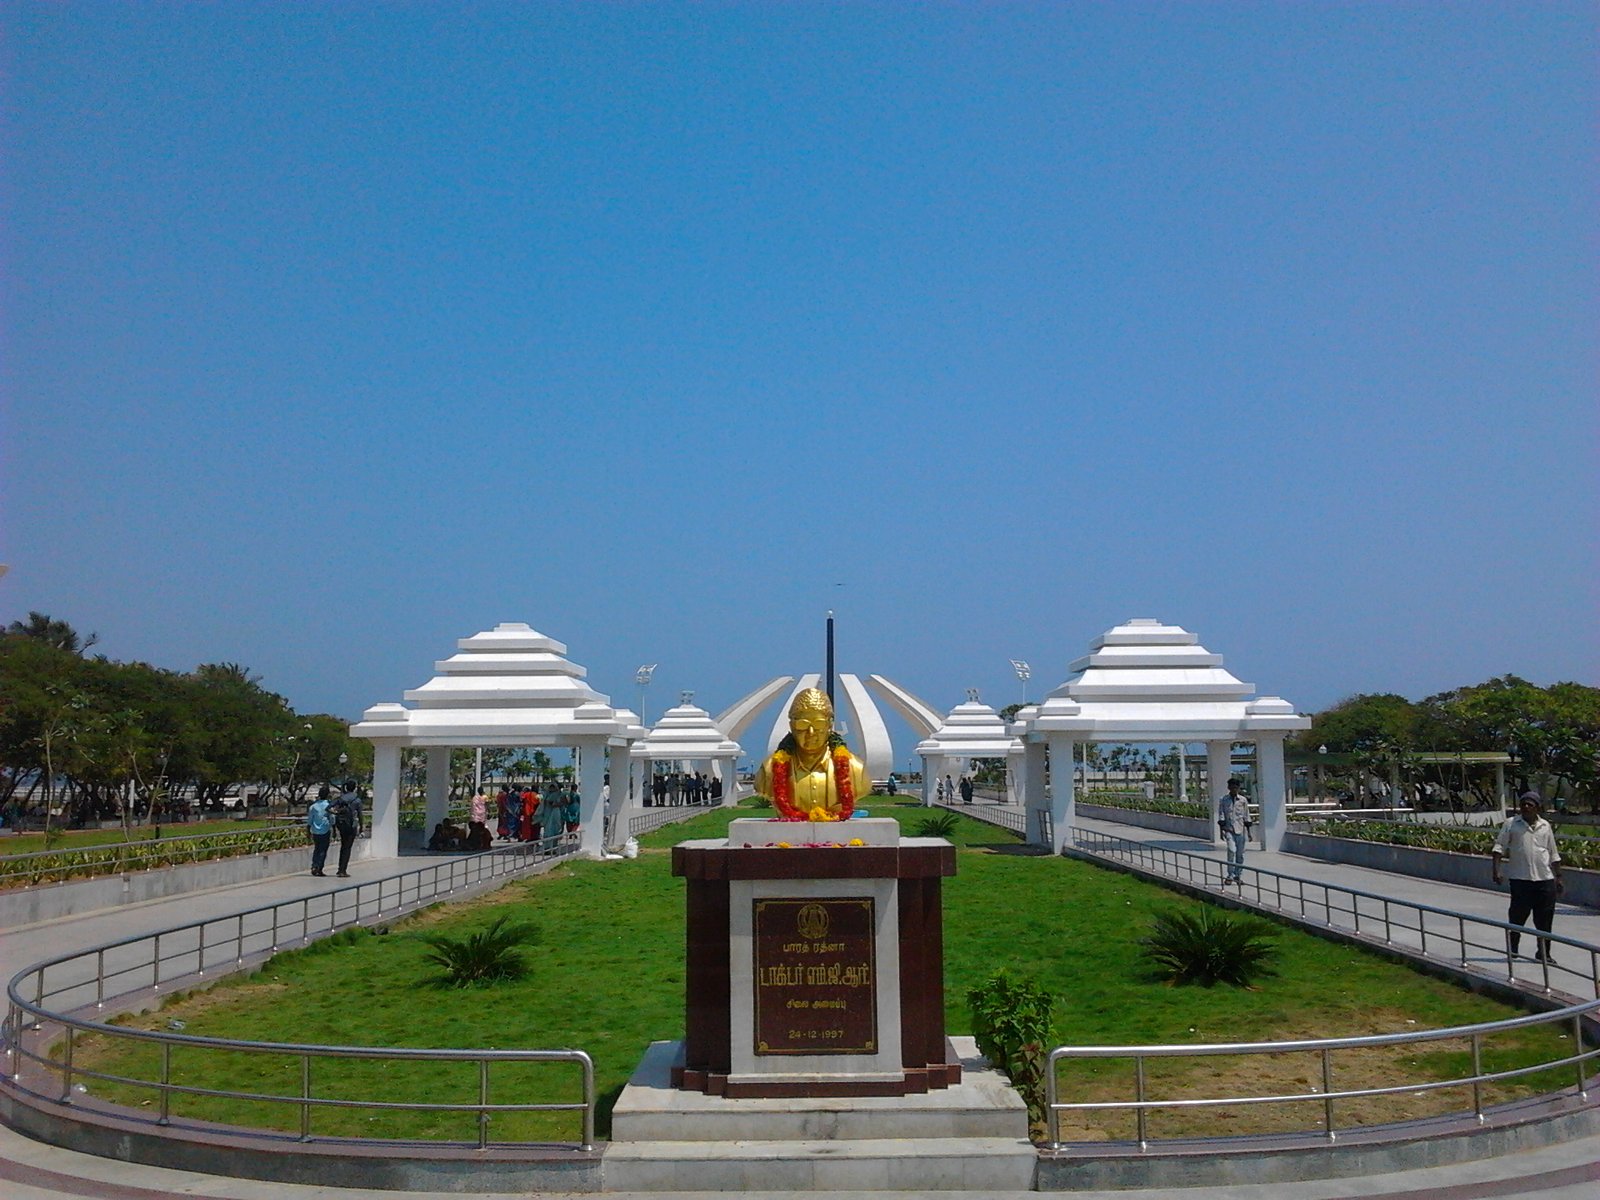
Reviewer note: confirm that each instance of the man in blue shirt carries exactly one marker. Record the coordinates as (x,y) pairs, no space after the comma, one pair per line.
(321,826)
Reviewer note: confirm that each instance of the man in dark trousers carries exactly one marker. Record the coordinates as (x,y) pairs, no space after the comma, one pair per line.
(1527,845)
(347,823)
(966,789)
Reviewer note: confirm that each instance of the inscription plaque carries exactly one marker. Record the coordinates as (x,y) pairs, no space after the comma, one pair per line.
(814,986)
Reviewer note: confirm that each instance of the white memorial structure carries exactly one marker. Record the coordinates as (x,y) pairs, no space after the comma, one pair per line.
(510,686)
(1148,682)
(687,738)
(972,730)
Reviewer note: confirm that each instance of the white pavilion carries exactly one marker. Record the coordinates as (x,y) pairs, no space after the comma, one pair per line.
(971,730)
(510,686)
(1147,682)
(687,737)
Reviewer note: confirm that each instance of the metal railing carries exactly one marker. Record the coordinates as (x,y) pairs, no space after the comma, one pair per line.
(1324,1094)
(1014,819)
(52,1003)
(115,858)
(1467,943)
(1480,944)
(647,819)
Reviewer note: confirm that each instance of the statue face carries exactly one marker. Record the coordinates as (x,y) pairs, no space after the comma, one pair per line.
(810,728)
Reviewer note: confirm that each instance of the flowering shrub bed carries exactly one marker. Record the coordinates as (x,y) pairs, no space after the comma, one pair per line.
(54,866)
(1172,808)
(1576,852)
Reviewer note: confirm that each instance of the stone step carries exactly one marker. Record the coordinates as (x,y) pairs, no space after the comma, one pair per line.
(982,1105)
(857,1164)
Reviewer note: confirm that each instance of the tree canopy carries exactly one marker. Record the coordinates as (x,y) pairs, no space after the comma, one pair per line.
(111,733)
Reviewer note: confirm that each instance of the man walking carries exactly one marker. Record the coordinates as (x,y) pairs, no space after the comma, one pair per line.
(321,826)
(1527,844)
(1233,819)
(347,823)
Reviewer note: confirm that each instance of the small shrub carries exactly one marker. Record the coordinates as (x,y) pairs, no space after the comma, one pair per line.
(1208,946)
(481,958)
(1011,1024)
(938,825)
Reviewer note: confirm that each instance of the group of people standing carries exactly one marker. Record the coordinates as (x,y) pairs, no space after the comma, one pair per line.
(673,788)
(528,816)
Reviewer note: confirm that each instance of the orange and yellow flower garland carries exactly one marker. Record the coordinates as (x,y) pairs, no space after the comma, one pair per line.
(783,788)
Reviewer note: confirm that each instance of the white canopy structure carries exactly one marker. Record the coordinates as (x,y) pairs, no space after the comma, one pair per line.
(1148,682)
(972,730)
(685,735)
(510,686)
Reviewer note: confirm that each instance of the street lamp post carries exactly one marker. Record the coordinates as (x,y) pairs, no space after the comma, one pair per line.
(1024,673)
(642,678)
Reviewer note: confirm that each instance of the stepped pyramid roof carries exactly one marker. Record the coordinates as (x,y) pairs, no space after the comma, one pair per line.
(972,730)
(686,732)
(1146,681)
(508,686)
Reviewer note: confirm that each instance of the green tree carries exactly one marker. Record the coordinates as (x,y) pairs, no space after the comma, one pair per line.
(51,632)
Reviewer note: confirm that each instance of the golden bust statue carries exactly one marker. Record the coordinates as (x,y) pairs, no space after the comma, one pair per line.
(811,775)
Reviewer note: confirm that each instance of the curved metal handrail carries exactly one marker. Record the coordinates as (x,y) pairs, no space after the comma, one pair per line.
(1209,872)
(134,964)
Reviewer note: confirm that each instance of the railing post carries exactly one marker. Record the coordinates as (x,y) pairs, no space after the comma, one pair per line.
(155,966)
(274,928)
(1388,931)
(305,1097)
(100,978)
(1477,1077)
(483,1104)
(1577,1041)
(200,952)
(588,1103)
(165,1117)
(238,948)
(66,1066)
(1141,1121)
(1461,929)
(1327,1091)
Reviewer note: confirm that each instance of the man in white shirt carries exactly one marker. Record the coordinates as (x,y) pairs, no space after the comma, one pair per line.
(1233,820)
(1527,845)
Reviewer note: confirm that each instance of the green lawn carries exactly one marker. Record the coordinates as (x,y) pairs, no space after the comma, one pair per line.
(608,978)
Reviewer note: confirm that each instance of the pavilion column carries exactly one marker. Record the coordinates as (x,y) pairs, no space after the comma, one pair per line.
(729,774)
(591,809)
(1015,761)
(1035,797)
(623,795)
(1063,790)
(1274,800)
(383,840)
(438,787)
(1183,774)
(1219,762)
(927,779)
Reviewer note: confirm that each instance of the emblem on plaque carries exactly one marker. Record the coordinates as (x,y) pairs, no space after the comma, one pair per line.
(812,921)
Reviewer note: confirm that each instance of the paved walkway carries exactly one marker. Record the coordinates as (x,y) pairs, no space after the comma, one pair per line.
(32,1171)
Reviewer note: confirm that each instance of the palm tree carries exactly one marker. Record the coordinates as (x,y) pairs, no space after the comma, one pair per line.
(52,632)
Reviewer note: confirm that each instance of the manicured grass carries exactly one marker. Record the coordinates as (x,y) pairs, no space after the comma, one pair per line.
(608,978)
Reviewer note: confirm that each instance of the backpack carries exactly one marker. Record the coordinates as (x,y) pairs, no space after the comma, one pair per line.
(344,815)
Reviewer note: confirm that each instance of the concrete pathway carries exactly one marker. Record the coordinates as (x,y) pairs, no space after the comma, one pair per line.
(33,1171)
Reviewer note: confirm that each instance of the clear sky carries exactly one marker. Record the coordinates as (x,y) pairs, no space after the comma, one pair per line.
(334,332)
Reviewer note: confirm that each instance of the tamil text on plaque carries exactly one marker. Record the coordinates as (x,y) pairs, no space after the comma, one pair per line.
(815,992)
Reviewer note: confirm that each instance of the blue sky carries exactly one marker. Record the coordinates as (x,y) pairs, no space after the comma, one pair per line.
(332,333)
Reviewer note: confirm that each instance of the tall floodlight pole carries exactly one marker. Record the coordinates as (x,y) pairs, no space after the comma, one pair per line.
(642,678)
(1024,672)
(830,659)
